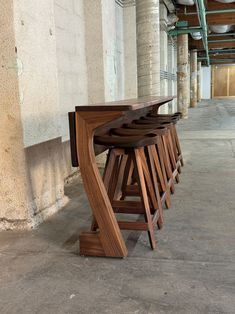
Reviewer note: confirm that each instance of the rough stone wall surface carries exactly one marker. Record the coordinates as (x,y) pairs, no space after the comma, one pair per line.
(113,51)
(94,50)
(71,58)
(37,69)
(60,49)
(47,169)
(13,173)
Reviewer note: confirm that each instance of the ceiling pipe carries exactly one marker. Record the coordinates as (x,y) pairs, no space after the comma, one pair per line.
(180,31)
(222,60)
(221,40)
(221,34)
(210,11)
(222,51)
(202,18)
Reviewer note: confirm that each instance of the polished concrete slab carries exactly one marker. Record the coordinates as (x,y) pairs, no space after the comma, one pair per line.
(193,269)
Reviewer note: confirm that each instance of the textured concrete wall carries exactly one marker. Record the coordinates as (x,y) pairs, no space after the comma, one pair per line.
(71,58)
(14,191)
(94,50)
(119,53)
(65,55)
(37,66)
(130,52)
(113,50)
(206,82)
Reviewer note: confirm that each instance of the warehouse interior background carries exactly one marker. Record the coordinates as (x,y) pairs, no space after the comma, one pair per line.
(56,54)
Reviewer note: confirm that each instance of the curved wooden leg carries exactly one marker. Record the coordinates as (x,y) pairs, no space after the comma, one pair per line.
(108,241)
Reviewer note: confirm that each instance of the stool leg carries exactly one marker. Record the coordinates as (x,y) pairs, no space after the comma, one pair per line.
(127,176)
(178,146)
(144,197)
(154,194)
(174,146)
(110,164)
(122,166)
(172,157)
(161,173)
(168,164)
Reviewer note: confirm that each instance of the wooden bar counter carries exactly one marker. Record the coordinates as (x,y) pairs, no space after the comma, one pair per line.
(98,119)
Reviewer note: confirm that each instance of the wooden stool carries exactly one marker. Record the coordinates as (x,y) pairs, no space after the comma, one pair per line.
(170,118)
(170,162)
(155,157)
(170,123)
(123,152)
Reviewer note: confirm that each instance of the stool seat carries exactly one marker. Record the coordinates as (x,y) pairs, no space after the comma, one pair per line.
(133,132)
(143,124)
(127,141)
(149,119)
(176,114)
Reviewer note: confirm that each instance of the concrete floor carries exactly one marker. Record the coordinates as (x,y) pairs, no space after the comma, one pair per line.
(192,270)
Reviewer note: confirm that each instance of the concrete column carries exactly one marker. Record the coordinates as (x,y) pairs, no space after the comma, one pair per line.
(94,51)
(148,50)
(182,74)
(193,87)
(175,74)
(13,172)
(199,93)
(170,70)
(163,56)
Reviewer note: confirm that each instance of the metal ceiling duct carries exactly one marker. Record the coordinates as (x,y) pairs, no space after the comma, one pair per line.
(196,36)
(220,29)
(225,1)
(186,2)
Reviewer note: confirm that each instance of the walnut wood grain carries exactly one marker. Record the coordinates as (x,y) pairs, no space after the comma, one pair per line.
(109,235)
(107,239)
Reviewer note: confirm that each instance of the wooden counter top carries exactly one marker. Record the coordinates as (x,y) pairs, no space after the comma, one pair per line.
(126,105)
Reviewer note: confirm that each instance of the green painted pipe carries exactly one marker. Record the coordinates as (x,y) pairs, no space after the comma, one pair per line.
(221,51)
(175,32)
(212,12)
(221,40)
(223,34)
(222,60)
(220,11)
(202,18)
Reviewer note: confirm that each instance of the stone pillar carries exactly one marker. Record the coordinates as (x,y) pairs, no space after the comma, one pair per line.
(199,92)
(175,74)
(13,172)
(193,88)
(182,74)
(148,50)
(94,51)
(163,56)
(170,70)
